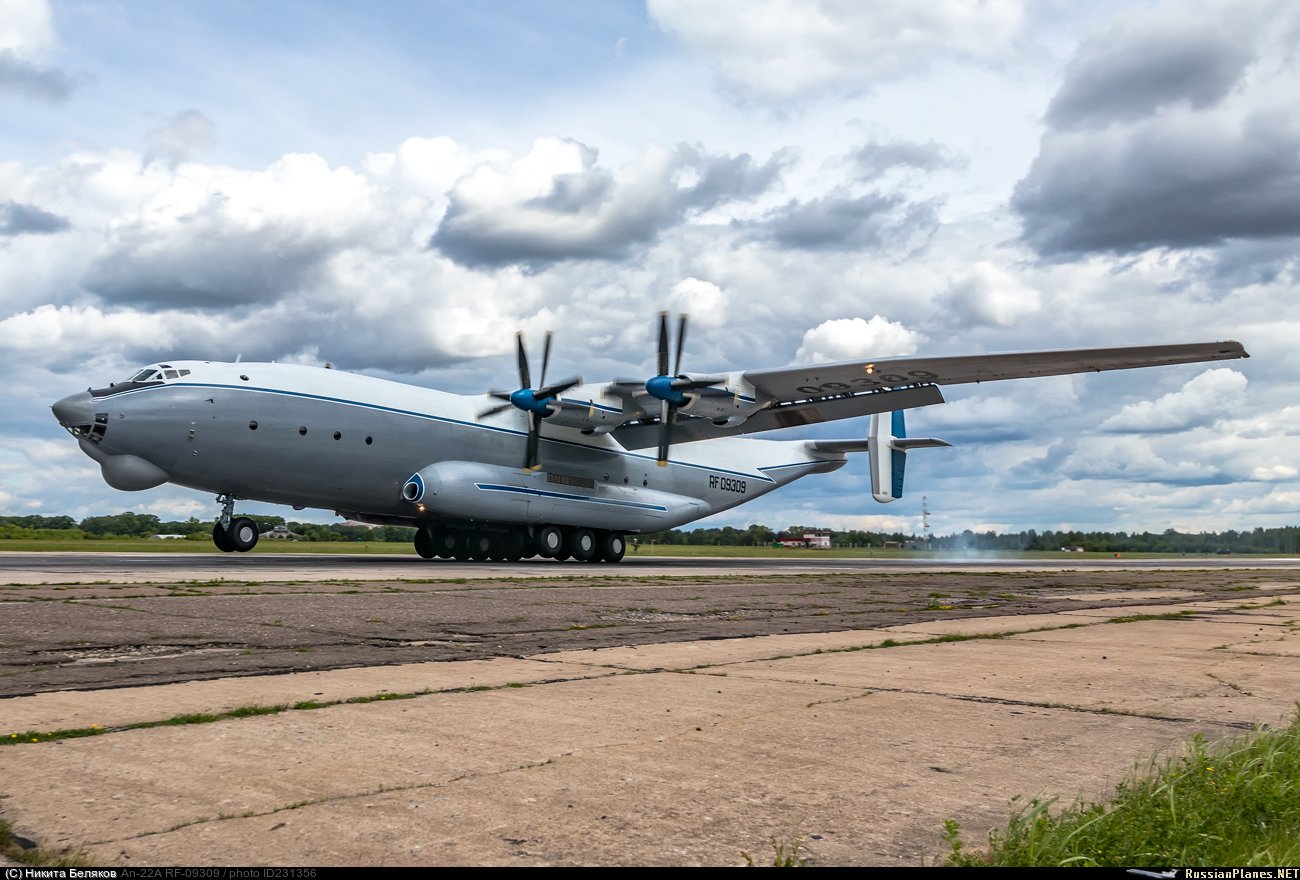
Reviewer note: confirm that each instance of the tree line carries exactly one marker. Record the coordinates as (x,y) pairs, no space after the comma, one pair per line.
(1284,539)
(144,525)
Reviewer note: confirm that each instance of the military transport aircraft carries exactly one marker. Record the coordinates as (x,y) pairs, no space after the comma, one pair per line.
(565,470)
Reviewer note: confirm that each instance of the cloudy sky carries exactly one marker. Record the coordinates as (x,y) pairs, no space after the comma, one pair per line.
(397,187)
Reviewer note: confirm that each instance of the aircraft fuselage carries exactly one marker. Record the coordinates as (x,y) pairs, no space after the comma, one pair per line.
(319,438)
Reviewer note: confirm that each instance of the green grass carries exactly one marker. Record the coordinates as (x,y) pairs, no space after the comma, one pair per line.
(11,848)
(1233,803)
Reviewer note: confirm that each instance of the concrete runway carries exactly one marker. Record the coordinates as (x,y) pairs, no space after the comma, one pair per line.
(857,742)
(35,568)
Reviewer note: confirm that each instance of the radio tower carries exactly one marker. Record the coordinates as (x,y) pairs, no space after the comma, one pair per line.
(925,521)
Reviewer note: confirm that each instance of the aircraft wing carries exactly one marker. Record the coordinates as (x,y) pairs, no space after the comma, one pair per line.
(802,395)
(788,384)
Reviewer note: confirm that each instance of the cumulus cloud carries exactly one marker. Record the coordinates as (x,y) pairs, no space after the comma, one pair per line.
(989,296)
(877,158)
(27,32)
(1172,129)
(706,303)
(27,79)
(1150,61)
(782,49)
(1201,401)
(25,25)
(20,219)
(233,238)
(843,339)
(180,139)
(555,203)
(845,222)
(1132,459)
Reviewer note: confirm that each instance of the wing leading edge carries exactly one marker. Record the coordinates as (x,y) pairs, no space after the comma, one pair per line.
(786,384)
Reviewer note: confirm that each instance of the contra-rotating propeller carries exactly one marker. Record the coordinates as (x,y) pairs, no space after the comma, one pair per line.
(670,388)
(534,401)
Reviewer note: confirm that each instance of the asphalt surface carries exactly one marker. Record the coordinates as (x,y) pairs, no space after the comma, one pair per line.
(76,622)
(133,567)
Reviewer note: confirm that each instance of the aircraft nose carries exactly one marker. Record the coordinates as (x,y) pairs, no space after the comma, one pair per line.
(74,410)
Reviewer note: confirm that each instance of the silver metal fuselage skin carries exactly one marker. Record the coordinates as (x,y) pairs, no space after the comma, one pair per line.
(319,438)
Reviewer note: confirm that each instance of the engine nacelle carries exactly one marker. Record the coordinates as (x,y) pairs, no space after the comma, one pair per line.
(719,406)
(586,413)
(731,402)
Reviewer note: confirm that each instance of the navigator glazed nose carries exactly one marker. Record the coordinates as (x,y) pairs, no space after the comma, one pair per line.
(74,410)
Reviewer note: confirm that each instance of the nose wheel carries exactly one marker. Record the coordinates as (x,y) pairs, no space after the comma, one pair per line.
(233,533)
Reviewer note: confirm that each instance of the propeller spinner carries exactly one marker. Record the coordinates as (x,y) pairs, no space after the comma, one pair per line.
(534,401)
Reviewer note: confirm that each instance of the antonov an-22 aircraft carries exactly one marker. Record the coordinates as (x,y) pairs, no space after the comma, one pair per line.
(565,470)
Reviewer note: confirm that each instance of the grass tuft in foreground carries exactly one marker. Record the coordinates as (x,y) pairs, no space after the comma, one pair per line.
(25,852)
(1233,803)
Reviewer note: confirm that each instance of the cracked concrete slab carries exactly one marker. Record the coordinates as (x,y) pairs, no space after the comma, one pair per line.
(64,710)
(630,756)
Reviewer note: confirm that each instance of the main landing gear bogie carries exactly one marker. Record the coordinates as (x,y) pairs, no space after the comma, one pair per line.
(513,544)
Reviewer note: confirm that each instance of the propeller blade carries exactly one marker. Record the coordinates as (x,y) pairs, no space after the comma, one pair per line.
(558,387)
(534,432)
(663,344)
(525,380)
(546,357)
(681,343)
(665,431)
(491,411)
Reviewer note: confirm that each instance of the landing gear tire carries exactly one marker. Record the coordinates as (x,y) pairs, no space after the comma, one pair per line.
(516,545)
(480,546)
(444,543)
(582,545)
(550,542)
(612,547)
(425,543)
(242,534)
(221,538)
(460,552)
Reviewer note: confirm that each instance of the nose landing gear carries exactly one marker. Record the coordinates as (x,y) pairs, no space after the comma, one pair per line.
(233,533)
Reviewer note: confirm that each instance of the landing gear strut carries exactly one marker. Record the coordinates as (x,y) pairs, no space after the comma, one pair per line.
(233,533)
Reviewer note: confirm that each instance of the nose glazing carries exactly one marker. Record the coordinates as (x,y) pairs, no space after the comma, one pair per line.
(74,410)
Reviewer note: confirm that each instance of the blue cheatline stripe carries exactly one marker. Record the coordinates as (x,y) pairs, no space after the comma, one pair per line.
(589,403)
(519,490)
(443,419)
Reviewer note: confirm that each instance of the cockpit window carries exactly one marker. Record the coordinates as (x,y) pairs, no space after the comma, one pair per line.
(171,374)
(148,374)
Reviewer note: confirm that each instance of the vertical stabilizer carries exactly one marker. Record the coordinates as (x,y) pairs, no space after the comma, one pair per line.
(887,448)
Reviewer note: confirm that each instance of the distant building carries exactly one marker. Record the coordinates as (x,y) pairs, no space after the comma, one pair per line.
(282,533)
(168,537)
(810,541)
